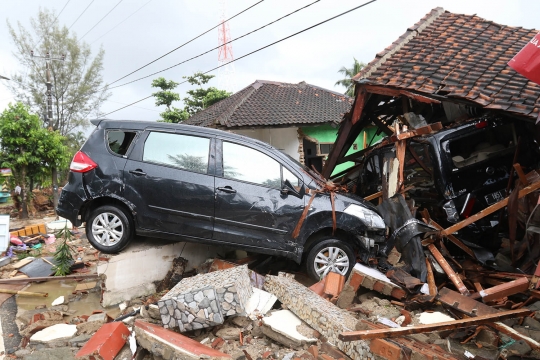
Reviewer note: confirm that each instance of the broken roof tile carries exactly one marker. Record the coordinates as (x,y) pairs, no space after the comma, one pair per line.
(463,54)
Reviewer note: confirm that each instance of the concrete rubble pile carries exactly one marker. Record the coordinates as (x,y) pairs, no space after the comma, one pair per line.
(227,312)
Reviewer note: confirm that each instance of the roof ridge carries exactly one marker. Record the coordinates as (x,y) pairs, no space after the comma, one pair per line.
(411,32)
(223,118)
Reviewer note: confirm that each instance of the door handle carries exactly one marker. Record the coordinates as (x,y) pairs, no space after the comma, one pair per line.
(227,189)
(137,172)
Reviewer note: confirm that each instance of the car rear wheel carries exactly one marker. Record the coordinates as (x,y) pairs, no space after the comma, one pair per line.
(109,229)
(329,255)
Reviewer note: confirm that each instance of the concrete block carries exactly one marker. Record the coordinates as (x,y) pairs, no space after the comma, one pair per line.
(54,333)
(318,313)
(169,345)
(205,299)
(106,342)
(132,273)
(285,323)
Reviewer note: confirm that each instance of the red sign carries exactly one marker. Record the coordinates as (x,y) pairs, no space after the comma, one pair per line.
(527,60)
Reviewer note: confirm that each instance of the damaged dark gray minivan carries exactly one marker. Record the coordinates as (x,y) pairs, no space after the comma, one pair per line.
(196,184)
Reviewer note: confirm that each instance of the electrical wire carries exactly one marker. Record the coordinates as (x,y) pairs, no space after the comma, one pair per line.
(261,48)
(217,47)
(184,44)
(81,14)
(100,20)
(121,22)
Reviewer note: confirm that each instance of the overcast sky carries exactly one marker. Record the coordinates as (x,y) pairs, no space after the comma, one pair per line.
(160,26)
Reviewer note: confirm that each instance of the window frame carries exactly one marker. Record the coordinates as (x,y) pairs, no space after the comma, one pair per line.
(220,172)
(130,147)
(319,152)
(210,163)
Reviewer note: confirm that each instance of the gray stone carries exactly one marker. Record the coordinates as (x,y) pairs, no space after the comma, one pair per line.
(188,298)
(190,318)
(79,340)
(204,303)
(61,353)
(228,333)
(226,306)
(165,319)
(210,294)
(193,305)
(218,319)
(196,325)
(213,306)
(198,296)
(180,305)
(177,314)
(229,297)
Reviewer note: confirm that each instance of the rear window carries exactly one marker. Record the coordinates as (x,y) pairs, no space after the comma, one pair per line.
(119,141)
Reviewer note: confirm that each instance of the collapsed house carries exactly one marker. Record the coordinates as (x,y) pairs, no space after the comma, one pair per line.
(460,138)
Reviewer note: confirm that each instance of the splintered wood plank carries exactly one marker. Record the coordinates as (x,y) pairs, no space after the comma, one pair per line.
(489,210)
(447,325)
(464,304)
(456,280)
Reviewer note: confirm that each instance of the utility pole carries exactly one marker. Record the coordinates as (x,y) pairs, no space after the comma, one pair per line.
(48,59)
(50,124)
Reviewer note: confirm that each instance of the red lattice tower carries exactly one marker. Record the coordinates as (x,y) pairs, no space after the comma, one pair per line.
(226,73)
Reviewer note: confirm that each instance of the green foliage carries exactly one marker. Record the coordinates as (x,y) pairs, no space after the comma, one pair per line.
(166,97)
(349,73)
(63,256)
(27,148)
(201,98)
(197,100)
(78,88)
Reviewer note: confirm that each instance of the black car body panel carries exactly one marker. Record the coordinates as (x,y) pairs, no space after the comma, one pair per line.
(209,198)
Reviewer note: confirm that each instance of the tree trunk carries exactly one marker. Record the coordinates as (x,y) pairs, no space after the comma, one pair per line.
(24,214)
(54,172)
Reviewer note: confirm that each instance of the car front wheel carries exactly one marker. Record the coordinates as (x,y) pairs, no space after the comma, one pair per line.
(109,229)
(330,255)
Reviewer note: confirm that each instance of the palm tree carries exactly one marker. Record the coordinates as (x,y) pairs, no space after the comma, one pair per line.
(349,73)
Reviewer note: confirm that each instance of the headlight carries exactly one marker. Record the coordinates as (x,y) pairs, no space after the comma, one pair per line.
(371,218)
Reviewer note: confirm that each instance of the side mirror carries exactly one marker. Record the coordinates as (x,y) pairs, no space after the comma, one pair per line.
(289,189)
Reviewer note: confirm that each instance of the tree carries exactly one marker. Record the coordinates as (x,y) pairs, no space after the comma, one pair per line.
(27,148)
(166,97)
(77,83)
(349,73)
(201,98)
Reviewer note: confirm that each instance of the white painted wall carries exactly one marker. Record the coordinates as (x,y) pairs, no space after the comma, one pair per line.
(132,273)
(285,139)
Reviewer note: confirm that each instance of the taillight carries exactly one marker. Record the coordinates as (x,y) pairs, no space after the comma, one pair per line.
(82,163)
(482,124)
(468,206)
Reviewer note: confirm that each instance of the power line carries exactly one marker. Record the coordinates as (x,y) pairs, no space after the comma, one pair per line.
(261,48)
(138,107)
(121,22)
(77,19)
(100,20)
(184,44)
(217,47)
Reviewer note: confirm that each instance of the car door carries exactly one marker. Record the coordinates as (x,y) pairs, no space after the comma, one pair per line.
(251,208)
(170,181)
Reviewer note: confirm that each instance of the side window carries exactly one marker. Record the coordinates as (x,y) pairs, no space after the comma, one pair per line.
(287,175)
(181,151)
(246,164)
(119,140)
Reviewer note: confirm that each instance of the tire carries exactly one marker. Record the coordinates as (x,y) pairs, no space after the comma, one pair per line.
(333,252)
(109,229)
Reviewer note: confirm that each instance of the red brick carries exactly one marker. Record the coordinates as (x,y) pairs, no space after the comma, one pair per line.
(313,350)
(106,342)
(217,343)
(355,280)
(385,349)
(266,354)
(333,284)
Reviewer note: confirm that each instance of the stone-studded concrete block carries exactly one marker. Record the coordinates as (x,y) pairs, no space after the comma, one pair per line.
(319,313)
(205,299)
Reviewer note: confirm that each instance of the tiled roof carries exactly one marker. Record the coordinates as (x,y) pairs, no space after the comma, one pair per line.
(458,56)
(269,103)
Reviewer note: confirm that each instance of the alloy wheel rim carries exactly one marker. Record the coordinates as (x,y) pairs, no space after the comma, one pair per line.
(331,259)
(107,229)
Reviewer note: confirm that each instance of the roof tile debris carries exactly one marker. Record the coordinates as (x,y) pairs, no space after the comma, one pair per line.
(269,103)
(458,56)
